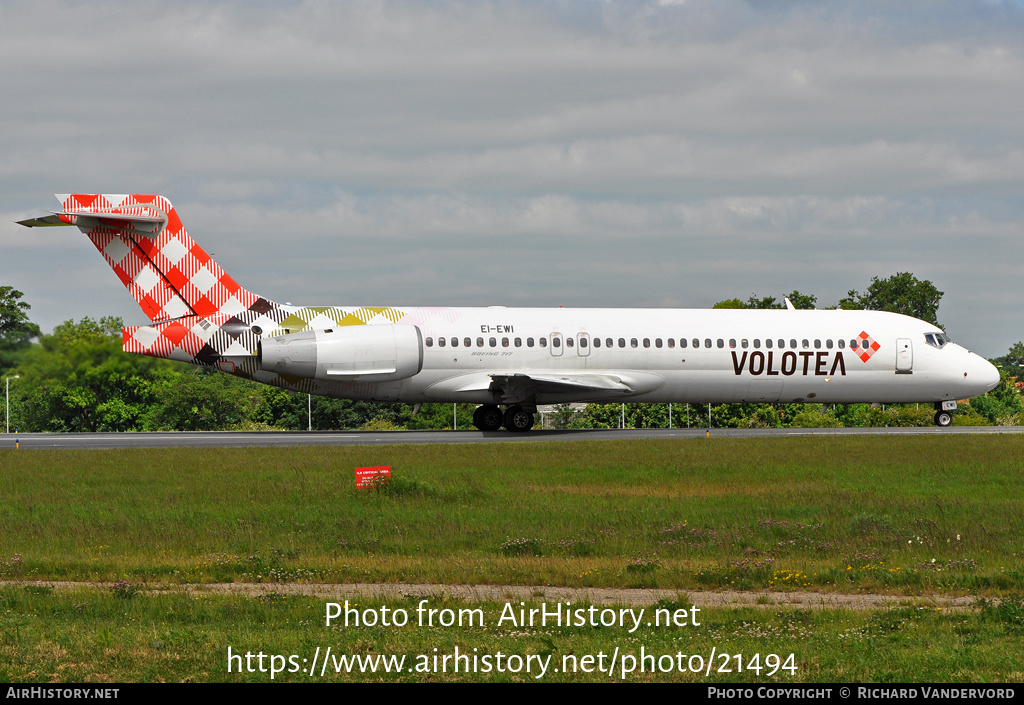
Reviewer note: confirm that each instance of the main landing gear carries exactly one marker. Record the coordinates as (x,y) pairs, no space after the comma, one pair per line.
(490,418)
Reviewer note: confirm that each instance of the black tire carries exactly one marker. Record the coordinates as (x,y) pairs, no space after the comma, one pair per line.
(488,417)
(943,419)
(518,420)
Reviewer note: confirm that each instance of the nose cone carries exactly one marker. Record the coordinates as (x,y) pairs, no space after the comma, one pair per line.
(980,375)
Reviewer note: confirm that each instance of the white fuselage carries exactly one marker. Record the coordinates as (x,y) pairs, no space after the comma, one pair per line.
(728,356)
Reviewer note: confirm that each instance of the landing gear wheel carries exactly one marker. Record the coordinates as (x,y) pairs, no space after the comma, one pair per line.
(488,417)
(518,420)
(943,418)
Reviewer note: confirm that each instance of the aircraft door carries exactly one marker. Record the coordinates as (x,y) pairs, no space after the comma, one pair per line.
(556,344)
(583,344)
(904,356)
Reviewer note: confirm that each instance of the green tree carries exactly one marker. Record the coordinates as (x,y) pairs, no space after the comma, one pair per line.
(637,416)
(439,416)
(347,414)
(1013,361)
(805,301)
(764,302)
(204,400)
(802,301)
(16,331)
(79,379)
(901,293)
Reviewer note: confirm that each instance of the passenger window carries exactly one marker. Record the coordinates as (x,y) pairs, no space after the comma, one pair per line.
(853,344)
(455,342)
(568,342)
(721,343)
(806,344)
(792,343)
(696,342)
(529,342)
(504,342)
(440,342)
(597,342)
(556,342)
(817,344)
(622,342)
(671,342)
(828,343)
(842,344)
(609,343)
(768,343)
(583,342)
(732,342)
(467,342)
(682,342)
(493,342)
(543,342)
(479,342)
(519,342)
(632,342)
(745,343)
(430,342)
(707,342)
(757,344)
(657,342)
(782,343)
(647,342)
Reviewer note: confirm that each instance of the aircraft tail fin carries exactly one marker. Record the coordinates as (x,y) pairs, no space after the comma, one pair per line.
(144,242)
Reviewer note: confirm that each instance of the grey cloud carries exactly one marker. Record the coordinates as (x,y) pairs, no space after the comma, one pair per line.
(532,153)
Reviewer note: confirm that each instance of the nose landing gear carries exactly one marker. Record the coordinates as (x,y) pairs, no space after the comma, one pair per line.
(944,413)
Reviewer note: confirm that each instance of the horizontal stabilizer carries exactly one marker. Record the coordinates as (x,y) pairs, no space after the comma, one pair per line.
(137,217)
(47,221)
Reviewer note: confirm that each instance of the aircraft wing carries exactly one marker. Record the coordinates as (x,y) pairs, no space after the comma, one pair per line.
(517,387)
(565,383)
(547,387)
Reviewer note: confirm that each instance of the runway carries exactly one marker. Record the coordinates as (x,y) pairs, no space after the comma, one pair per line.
(263,439)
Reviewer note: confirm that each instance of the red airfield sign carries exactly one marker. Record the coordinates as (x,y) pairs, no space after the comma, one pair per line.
(368,477)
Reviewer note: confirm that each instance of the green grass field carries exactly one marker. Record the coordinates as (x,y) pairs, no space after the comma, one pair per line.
(912,516)
(100,637)
(904,514)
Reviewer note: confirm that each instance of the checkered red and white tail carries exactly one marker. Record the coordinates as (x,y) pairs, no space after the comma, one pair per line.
(198,313)
(146,245)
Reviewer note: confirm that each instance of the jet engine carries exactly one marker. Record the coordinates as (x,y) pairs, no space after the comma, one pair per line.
(368,353)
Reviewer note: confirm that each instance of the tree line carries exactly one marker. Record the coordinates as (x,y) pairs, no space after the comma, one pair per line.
(77,379)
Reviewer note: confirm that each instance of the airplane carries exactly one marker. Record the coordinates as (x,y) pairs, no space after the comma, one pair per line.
(516,358)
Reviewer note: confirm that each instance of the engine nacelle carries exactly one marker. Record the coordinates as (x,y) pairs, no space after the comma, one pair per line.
(369,353)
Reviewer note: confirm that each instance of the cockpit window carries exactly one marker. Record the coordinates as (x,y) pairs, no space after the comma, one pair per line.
(936,340)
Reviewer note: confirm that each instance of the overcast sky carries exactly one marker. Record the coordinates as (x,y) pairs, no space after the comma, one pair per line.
(529,153)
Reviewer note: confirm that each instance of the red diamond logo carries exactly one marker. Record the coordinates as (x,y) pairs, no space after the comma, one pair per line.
(868,346)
